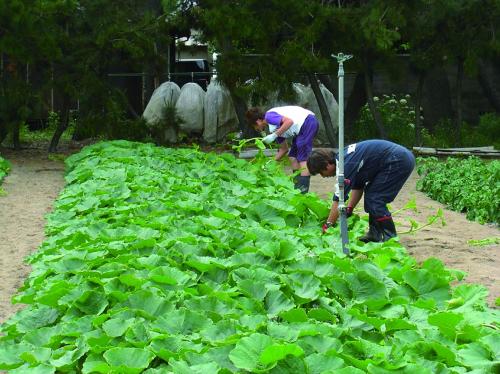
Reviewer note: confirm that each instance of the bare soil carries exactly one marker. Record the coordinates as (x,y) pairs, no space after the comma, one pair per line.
(30,190)
(35,182)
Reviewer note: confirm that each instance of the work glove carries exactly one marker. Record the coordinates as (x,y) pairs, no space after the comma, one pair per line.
(270,138)
(348,211)
(326,226)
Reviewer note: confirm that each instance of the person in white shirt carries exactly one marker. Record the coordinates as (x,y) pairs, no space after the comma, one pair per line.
(288,123)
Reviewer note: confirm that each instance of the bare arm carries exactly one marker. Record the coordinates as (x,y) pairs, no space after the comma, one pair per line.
(355,197)
(334,210)
(334,213)
(285,125)
(283,150)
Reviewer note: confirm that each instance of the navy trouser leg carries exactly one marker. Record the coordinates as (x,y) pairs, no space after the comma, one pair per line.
(383,189)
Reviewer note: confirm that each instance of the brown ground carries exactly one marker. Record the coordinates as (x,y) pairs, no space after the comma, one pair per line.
(35,181)
(31,187)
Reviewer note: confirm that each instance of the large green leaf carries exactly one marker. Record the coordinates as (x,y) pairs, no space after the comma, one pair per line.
(366,287)
(277,352)
(117,326)
(305,286)
(128,360)
(318,363)
(247,352)
(447,323)
(277,302)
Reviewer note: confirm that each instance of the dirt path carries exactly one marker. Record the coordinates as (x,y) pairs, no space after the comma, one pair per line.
(31,188)
(449,243)
(35,182)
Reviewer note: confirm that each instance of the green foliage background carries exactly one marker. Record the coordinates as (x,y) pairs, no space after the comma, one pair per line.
(398,114)
(72,46)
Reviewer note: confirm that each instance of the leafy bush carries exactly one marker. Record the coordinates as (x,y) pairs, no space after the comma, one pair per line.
(467,185)
(4,168)
(45,134)
(113,125)
(398,115)
(489,127)
(171,122)
(177,261)
(129,129)
(104,114)
(486,133)
(443,135)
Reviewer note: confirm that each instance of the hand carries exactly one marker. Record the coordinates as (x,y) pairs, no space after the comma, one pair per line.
(326,226)
(270,138)
(348,211)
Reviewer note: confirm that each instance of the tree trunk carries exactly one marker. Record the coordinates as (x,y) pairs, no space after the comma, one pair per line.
(239,103)
(3,132)
(15,135)
(62,125)
(458,101)
(371,103)
(488,89)
(418,104)
(355,102)
(437,96)
(149,87)
(77,131)
(131,109)
(327,121)
(330,84)
(240,108)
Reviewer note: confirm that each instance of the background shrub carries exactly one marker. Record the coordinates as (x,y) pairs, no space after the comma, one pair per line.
(469,185)
(398,115)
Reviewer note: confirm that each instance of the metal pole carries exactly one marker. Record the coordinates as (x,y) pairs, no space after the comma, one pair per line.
(340,172)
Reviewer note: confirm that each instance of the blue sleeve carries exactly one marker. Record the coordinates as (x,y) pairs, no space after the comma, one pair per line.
(273,118)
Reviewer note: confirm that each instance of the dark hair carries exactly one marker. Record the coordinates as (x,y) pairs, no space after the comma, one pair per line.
(319,159)
(253,114)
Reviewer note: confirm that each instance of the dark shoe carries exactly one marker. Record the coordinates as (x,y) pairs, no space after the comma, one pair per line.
(387,228)
(302,183)
(374,234)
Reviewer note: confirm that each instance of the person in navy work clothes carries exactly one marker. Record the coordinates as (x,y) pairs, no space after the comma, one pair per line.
(289,122)
(376,168)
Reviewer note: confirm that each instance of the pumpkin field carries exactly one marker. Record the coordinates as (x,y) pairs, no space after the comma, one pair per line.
(162,260)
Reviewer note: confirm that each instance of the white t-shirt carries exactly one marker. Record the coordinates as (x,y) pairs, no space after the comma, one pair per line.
(296,113)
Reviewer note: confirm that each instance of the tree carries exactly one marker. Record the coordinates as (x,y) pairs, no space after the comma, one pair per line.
(74,45)
(257,43)
(490,56)
(425,47)
(19,46)
(369,30)
(375,43)
(468,31)
(91,38)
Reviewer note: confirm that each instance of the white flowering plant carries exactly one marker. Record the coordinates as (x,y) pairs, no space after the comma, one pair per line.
(398,116)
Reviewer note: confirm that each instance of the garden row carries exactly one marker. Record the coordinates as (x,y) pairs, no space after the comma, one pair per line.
(178,261)
(470,186)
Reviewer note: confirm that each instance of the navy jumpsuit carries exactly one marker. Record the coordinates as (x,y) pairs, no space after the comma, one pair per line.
(380,168)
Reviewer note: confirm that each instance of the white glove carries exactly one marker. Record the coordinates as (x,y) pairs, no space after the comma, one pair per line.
(270,138)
